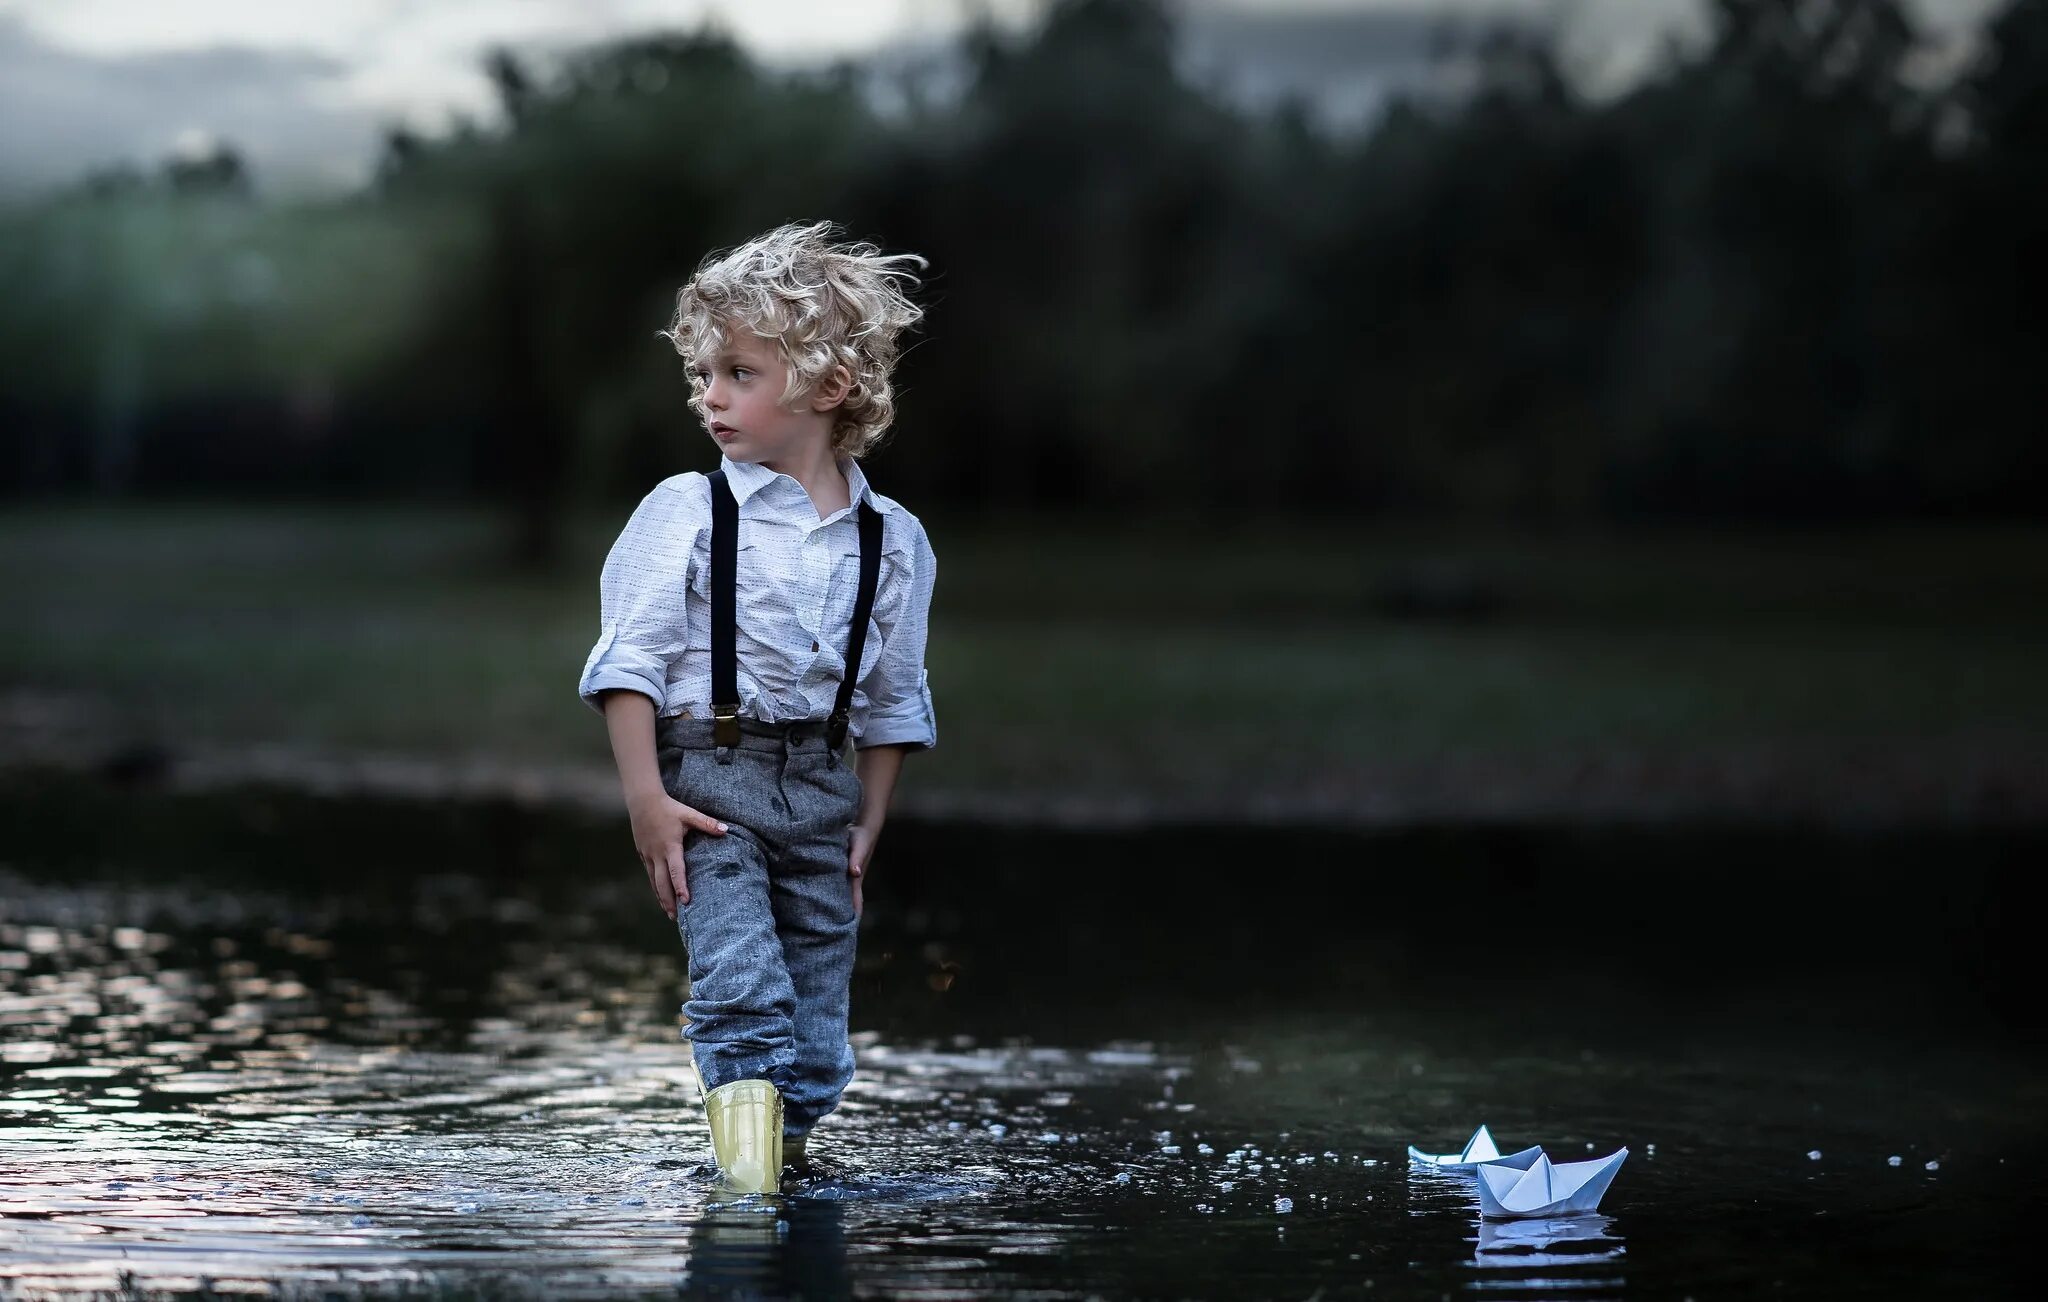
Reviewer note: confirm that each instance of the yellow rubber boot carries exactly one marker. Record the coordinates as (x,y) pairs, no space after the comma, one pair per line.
(746,1135)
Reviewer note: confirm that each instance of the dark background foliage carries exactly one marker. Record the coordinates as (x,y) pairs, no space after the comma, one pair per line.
(1779,279)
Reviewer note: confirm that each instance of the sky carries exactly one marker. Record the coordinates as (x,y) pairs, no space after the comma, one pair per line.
(305,89)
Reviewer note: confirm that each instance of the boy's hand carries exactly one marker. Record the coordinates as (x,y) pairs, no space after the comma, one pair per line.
(659,824)
(860,848)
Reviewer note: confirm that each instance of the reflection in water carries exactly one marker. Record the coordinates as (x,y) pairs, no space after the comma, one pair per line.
(1527,1236)
(1554,1253)
(1549,1253)
(1432,1188)
(786,1246)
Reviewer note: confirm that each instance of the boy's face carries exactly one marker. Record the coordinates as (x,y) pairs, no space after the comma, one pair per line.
(741,403)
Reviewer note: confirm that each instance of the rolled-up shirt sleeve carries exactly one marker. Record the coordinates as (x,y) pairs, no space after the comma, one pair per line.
(640,599)
(898,691)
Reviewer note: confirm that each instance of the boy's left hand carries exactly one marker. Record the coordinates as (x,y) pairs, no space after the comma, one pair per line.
(860,848)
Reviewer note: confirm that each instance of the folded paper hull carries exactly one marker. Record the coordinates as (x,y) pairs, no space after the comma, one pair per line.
(1478,1149)
(1521,1161)
(1546,1188)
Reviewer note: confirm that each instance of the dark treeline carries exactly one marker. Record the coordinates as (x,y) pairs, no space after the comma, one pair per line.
(1779,278)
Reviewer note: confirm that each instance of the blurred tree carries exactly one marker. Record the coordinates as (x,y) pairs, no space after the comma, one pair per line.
(1991,299)
(1484,256)
(1779,277)
(1749,382)
(1087,210)
(611,174)
(216,169)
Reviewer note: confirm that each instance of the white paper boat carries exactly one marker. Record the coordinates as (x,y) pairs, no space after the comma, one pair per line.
(1546,1188)
(1480,1148)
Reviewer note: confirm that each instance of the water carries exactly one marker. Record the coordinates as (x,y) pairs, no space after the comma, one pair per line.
(279,1047)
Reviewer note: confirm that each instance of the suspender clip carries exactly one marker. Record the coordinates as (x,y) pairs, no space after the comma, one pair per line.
(835,730)
(725,725)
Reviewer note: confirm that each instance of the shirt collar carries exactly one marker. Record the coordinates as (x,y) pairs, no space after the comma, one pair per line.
(750,477)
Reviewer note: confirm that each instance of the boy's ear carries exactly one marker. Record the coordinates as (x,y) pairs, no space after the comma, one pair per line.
(832,390)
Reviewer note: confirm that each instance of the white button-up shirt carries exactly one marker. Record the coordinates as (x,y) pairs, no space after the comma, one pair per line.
(797,577)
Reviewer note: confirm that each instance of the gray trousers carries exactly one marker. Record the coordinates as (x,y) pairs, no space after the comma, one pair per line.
(770,927)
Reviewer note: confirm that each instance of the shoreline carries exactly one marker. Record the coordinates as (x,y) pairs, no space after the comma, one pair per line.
(1865,786)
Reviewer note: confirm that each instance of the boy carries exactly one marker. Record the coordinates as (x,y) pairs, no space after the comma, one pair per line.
(754,620)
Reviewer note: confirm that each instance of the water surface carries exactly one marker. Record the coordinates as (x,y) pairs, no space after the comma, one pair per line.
(270,1046)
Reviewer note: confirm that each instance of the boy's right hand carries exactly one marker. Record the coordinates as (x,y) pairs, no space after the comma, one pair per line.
(660,822)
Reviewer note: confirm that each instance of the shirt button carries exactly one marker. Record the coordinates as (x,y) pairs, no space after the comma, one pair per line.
(814,646)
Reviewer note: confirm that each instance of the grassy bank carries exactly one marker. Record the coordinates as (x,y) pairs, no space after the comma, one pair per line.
(1075,656)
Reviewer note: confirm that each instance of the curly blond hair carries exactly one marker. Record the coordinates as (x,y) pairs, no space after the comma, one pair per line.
(823,304)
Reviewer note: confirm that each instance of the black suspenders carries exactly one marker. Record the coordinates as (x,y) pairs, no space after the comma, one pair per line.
(725,556)
(725,675)
(863,606)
